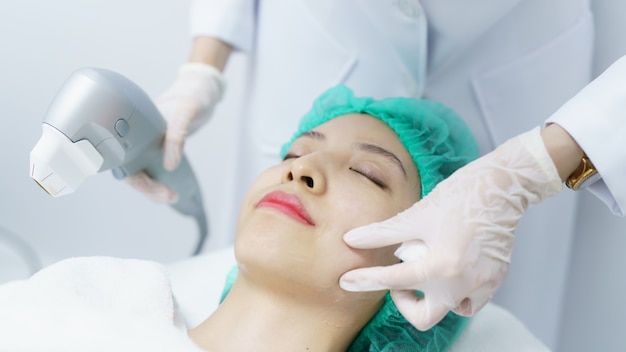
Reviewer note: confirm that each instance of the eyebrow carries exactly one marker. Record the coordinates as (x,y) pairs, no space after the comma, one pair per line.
(314,134)
(371,148)
(366,147)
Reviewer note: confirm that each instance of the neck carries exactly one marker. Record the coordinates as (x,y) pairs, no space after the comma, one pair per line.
(253,318)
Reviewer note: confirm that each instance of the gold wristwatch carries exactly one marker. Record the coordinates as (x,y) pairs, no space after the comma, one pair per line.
(583,176)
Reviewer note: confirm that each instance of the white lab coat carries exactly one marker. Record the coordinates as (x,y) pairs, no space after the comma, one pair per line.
(504,65)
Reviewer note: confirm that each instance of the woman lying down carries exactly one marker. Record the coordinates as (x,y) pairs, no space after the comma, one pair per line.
(353,161)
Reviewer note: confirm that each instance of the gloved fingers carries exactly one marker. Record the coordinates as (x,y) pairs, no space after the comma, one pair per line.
(154,190)
(187,105)
(400,228)
(401,276)
(422,313)
(178,126)
(172,154)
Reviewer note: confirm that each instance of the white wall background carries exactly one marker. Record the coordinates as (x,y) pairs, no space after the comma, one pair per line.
(42,42)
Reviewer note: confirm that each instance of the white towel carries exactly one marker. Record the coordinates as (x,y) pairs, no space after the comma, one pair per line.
(92,304)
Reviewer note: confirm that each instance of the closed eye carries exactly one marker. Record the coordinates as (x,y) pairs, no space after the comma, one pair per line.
(291,156)
(370,177)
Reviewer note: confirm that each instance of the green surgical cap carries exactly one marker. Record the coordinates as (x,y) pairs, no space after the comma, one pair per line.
(436,137)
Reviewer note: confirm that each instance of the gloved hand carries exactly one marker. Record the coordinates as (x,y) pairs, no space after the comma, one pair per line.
(457,241)
(186,106)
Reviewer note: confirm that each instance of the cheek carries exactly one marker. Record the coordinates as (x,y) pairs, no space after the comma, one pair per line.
(261,184)
(340,258)
(268,178)
(359,207)
(353,209)
(352,258)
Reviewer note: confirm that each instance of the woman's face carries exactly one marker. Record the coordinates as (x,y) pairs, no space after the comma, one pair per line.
(348,172)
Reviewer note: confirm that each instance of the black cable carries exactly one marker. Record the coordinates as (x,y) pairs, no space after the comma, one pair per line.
(203,231)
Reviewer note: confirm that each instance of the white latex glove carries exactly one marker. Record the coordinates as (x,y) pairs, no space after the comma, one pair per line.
(457,241)
(186,106)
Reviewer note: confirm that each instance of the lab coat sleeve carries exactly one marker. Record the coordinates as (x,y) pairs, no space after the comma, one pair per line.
(232,21)
(596,119)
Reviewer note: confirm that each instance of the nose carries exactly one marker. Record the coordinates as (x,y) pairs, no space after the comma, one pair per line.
(308,171)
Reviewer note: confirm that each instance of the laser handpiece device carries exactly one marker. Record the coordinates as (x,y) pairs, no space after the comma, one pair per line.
(100,120)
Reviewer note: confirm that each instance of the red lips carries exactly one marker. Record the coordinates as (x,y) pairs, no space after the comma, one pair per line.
(288,204)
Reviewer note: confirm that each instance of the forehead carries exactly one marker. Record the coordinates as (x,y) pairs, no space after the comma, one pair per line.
(361,126)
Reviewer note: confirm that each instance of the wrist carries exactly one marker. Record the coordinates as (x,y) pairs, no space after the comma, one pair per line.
(565,153)
(207,74)
(210,51)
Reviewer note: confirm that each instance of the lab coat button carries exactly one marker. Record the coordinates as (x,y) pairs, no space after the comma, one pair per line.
(122,127)
(409,8)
